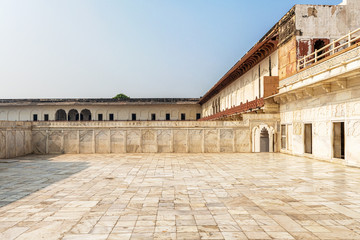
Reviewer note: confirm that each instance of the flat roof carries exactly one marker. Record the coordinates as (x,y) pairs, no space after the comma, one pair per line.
(102,101)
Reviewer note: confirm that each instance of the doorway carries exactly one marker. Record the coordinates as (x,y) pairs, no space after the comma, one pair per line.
(308,138)
(264,140)
(339,140)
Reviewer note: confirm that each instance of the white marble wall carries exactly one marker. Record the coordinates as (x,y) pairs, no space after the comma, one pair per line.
(140,137)
(21,138)
(245,88)
(322,112)
(15,139)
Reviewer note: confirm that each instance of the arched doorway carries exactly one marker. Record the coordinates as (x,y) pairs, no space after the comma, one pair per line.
(60,115)
(73,115)
(264,140)
(85,115)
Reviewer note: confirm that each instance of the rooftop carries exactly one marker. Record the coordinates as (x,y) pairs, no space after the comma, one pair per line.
(99,101)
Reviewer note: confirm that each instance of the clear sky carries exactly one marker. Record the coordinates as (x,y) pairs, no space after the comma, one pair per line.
(143,48)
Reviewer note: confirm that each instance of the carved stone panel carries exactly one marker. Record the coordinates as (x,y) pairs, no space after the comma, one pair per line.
(195,141)
(11,142)
(211,141)
(102,141)
(354,109)
(86,144)
(148,138)
(339,110)
(180,141)
(55,142)
(242,140)
(2,144)
(28,141)
(118,141)
(297,130)
(322,113)
(71,141)
(165,141)
(354,128)
(39,142)
(20,143)
(133,141)
(226,140)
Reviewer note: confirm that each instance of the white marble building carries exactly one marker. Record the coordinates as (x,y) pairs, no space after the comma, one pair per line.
(167,109)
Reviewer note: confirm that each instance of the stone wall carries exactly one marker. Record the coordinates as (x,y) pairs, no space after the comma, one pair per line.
(21,138)
(323,112)
(15,139)
(140,137)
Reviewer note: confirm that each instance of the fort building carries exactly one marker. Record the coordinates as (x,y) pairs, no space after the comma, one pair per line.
(296,91)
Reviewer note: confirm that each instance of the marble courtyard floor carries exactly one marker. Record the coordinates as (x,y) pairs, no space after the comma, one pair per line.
(178,196)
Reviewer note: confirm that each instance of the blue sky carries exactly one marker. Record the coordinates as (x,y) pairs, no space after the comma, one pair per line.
(143,48)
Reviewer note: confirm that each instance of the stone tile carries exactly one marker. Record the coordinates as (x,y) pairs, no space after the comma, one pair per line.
(211,235)
(178,196)
(188,236)
(186,229)
(257,235)
(117,236)
(234,236)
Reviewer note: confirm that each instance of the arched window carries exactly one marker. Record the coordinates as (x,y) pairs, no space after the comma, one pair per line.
(85,115)
(73,115)
(60,115)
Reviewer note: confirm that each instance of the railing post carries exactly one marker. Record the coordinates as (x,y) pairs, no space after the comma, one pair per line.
(333,47)
(316,55)
(298,65)
(349,39)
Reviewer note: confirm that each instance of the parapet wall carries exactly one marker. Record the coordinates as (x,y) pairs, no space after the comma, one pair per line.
(21,138)
(15,139)
(140,137)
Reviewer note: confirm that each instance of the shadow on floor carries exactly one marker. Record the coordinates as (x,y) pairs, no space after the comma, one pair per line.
(19,177)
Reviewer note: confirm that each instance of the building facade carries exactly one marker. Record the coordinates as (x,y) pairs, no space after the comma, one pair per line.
(166,109)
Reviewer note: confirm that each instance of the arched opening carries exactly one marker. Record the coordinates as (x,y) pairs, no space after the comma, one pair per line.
(73,115)
(318,45)
(264,140)
(85,115)
(60,115)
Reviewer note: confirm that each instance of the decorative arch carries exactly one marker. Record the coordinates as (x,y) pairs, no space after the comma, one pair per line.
(73,115)
(85,115)
(60,115)
(261,131)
